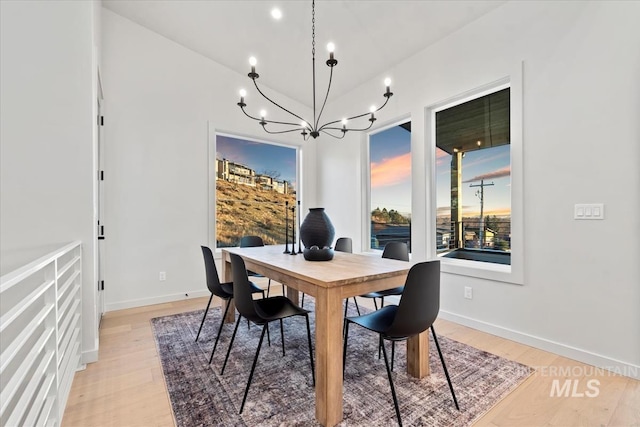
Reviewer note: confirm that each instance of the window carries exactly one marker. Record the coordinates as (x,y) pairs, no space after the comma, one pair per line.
(390,185)
(473,220)
(254,183)
(442,187)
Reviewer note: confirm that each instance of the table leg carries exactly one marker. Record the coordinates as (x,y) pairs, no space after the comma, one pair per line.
(418,355)
(329,356)
(228,277)
(293,295)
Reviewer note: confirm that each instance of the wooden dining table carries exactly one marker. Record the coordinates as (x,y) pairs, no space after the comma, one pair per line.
(330,283)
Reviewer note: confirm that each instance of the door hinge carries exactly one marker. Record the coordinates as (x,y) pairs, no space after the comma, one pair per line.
(101,120)
(101,285)
(101,175)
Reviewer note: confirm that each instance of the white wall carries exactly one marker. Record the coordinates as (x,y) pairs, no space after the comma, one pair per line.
(581,291)
(159,99)
(48,122)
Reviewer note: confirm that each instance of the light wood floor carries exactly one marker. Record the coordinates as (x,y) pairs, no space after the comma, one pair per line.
(126,386)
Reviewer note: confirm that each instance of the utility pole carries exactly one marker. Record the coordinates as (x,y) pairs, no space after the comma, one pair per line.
(480,195)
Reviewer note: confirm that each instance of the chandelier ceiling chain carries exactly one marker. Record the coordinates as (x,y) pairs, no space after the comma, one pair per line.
(311,128)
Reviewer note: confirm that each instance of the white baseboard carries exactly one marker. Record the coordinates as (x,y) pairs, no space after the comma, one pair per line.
(619,367)
(155,300)
(89,356)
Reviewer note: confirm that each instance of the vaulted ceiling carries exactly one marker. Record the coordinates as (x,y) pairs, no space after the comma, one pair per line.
(370,36)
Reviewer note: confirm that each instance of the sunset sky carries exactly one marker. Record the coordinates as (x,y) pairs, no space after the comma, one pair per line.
(491,164)
(390,155)
(258,156)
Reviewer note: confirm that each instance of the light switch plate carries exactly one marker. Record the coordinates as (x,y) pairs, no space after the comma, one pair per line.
(588,211)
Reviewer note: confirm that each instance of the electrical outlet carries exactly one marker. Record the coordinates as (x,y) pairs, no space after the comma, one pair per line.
(468,292)
(163,276)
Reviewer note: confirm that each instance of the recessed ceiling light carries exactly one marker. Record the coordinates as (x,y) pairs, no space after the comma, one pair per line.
(276,13)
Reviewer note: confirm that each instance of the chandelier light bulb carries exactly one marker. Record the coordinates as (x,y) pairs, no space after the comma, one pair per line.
(243,93)
(263,113)
(344,122)
(331,47)
(372,109)
(304,124)
(253,61)
(387,82)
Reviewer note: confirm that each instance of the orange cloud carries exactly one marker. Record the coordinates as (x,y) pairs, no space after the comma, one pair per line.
(391,171)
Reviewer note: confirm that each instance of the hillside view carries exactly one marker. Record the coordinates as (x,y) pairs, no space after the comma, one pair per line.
(244,210)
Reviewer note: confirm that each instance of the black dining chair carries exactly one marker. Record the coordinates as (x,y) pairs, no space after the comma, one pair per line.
(223,291)
(392,250)
(261,312)
(418,309)
(252,242)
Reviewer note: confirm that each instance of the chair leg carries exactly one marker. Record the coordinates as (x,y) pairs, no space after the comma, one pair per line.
(393,353)
(253,367)
(393,390)
(375,304)
(268,287)
(357,308)
(219,330)
(230,344)
(268,336)
(303,300)
(381,302)
(346,304)
(435,339)
(282,336)
(313,371)
(344,347)
(206,310)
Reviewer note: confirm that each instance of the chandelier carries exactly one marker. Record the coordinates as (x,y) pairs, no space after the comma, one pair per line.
(336,128)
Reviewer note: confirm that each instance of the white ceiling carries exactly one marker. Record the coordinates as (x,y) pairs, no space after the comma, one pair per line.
(370,36)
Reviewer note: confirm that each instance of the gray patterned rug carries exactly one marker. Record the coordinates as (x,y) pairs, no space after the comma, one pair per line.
(282,393)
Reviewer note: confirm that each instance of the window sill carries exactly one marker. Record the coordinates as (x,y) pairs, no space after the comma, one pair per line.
(481,270)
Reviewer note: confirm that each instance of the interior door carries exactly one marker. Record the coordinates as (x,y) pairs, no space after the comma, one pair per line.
(101,191)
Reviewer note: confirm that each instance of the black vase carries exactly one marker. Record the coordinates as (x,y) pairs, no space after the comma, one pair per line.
(317,234)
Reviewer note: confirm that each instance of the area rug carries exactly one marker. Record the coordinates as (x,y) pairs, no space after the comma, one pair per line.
(282,393)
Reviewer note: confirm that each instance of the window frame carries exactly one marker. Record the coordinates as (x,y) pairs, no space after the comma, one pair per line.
(213,133)
(513,273)
(366,179)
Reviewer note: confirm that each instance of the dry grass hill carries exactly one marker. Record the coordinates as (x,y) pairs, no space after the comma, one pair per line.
(243,210)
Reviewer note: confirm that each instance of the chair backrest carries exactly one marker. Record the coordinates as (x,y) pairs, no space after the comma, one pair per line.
(344,244)
(242,289)
(420,302)
(251,241)
(396,250)
(213,281)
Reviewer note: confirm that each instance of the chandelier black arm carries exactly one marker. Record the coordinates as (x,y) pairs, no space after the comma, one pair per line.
(327,125)
(269,121)
(334,136)
(347,129)
(275,103)
(280,131)
(315,125)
